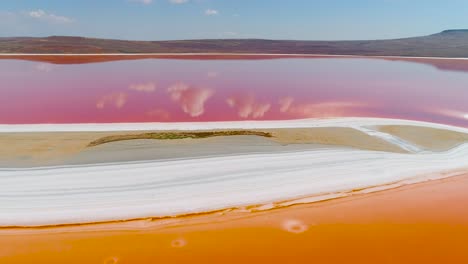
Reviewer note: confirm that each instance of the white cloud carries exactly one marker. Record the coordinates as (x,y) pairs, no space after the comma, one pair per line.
(147,2)
(211,12)
(230,34)
(178,1)
(49,17)
(37,14)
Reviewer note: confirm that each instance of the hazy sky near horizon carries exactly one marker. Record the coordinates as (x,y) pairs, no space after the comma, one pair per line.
(194,19)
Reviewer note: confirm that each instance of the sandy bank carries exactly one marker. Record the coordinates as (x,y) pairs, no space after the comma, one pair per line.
(64,147)
(429,138)
(61,148)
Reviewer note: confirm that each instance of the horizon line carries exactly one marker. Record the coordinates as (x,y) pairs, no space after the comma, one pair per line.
(245,38)
(225,54)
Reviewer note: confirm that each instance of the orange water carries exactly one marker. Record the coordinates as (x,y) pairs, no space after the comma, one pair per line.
(422,223)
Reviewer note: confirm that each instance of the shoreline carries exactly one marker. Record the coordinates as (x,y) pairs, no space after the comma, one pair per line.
(457,64)
(430,214)
(246,210)
(227,54)
(247,124)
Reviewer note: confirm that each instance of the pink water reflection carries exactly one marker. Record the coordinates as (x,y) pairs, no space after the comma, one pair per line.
(166,90)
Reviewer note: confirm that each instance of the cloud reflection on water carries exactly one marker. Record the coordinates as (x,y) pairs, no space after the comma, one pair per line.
(118,100)
(324,109)
(191,99)
(247,106)
(159,114)
(229,90)
(148,87)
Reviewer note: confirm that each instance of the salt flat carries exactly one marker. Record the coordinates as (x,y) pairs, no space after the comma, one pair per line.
(168,187)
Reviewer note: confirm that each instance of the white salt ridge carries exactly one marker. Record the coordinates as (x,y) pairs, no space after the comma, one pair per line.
(120,191)
(408,146)
(299,123)
(81,194)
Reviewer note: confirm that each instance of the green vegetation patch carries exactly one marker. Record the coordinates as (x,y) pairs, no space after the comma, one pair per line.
(177,135)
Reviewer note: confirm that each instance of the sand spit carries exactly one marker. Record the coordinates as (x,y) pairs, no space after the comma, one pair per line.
(65,148)
(72,146)
(347,154)
(425,137)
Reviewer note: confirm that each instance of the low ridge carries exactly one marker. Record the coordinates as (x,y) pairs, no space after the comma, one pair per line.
(448,43)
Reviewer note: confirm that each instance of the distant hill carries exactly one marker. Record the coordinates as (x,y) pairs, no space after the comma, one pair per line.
(448,43)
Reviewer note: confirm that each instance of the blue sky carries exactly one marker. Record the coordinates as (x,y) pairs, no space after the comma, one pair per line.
(193,19)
